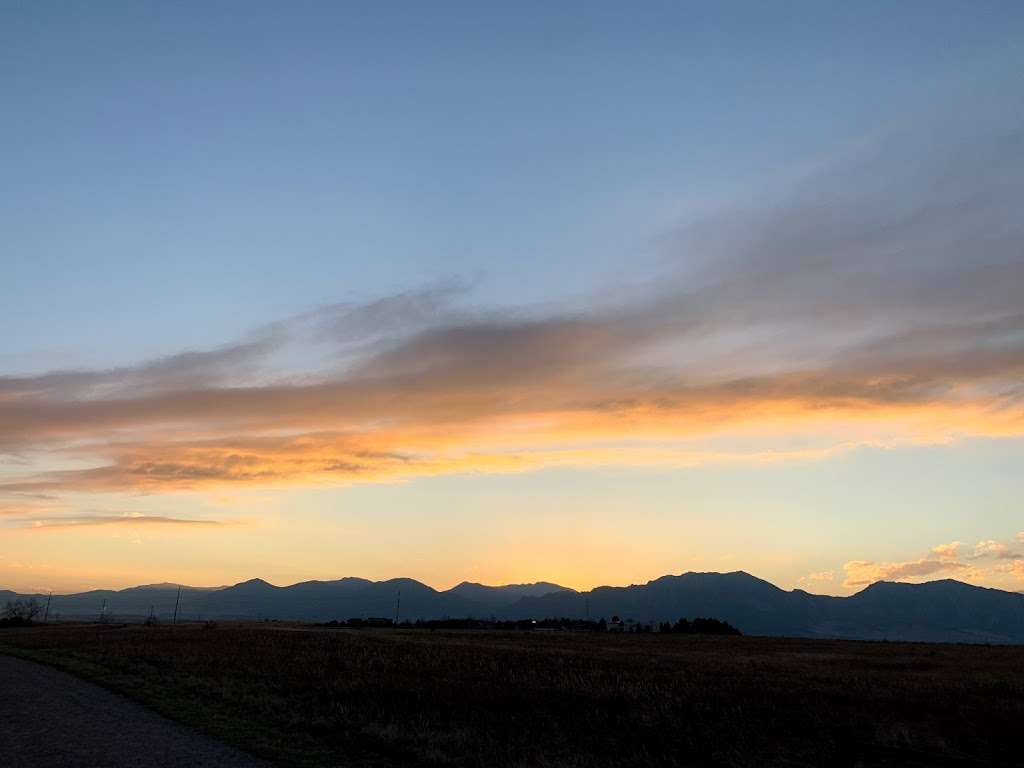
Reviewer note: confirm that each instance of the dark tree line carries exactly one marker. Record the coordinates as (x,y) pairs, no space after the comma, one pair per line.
(468,623)
(698,626)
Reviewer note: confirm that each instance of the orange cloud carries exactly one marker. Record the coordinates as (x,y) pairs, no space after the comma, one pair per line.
(860,573)
(276,435)
(947,551)
(1015,569)
(943,559)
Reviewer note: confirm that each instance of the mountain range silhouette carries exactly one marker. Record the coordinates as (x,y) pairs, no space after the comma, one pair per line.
(945,610)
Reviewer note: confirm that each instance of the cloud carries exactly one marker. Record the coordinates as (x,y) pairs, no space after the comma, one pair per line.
(988,548)
(319,459)
(15,504)
(818,577)
(947,551)
(78,521)
(992,548)
(388,316)
(192,368)
(860,573)
(1015,569)
(943,558)
(876,301)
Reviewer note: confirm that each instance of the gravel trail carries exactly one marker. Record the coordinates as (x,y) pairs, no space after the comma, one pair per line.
(50,719)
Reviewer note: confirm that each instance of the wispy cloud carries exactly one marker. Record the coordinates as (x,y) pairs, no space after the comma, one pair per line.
(387,317)
(876,300)
(989,548)
(190,369)
(15,504)
(1014,569)
(819,577)
(77,521)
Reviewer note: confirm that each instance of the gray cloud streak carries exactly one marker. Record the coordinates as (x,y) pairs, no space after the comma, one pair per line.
(78,521)
(892,276)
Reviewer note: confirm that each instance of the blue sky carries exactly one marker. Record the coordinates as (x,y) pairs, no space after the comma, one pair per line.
(209,167)
(194,177)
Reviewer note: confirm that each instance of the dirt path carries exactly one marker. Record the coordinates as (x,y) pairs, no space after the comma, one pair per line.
(50,719)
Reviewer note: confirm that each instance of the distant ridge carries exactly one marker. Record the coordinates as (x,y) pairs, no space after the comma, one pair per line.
(506,594)
(944,610)
(172,585)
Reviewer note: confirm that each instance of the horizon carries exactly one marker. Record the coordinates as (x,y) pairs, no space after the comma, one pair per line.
(440,589)
(505,295)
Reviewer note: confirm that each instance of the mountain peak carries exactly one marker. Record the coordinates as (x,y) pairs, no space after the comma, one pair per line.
(731,578)
(254,584)
(161,585)
(404,582)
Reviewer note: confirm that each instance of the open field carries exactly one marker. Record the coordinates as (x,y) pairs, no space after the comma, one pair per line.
(305,697)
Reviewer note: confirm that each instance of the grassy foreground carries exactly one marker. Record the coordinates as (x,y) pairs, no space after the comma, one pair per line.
(314,697)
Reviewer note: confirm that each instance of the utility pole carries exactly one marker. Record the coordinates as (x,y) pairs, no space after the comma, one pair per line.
(46,613)
(398,604)
(103,611)
(177,602)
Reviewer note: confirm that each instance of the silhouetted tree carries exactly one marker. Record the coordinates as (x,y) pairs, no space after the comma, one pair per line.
(22,610)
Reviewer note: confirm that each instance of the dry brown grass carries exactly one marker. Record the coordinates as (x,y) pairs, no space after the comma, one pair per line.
(334,697)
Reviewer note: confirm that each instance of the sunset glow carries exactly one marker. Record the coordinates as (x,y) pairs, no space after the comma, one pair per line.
(316,330)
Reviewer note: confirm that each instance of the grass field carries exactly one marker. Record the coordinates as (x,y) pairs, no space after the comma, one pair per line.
(312,697)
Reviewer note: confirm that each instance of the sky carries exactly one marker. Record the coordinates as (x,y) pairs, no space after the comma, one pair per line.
(579,292)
